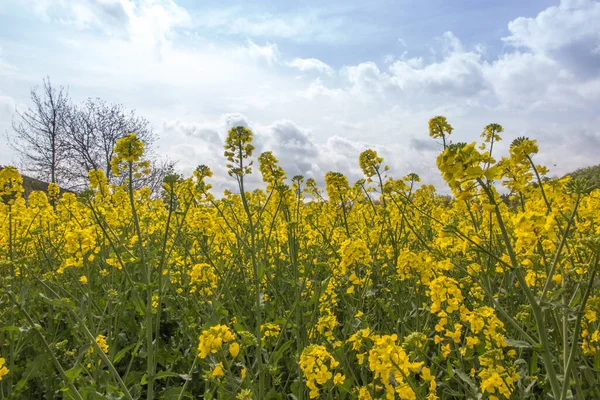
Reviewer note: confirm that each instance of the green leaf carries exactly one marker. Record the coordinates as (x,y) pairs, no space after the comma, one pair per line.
(450,370)
(119,356)
(518,344)
(166,374)
(73,373)
(279,353)
(533,366)
(467,379)
(30,372)
(10,329)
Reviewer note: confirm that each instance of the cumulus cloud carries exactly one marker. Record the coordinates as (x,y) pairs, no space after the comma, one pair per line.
(552,60)
(296,148)
(459,75)
(145,22)
(292,145)
(310,64)
(205,132)
(567,33)
(269,52)
(234,119)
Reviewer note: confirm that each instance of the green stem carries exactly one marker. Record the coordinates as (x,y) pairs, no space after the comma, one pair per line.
(189,378)
(149,291)
(535,307)
(256,277)
(575,342)
(37,328)
(562,243)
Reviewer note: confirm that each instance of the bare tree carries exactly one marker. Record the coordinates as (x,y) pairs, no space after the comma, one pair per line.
(93,129)
(159,169)
(60,142)
(40,134)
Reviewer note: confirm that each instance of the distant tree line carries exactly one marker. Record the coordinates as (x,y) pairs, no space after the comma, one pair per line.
(60,142)
(591,174)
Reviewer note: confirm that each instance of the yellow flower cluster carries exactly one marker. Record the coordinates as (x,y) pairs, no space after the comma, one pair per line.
(269,330)
(128,152)
(211,340)
(101,341)
(317,365)
(3,368)
(591,327)
(462,165)
(390,364)
(203,279)
(11,184)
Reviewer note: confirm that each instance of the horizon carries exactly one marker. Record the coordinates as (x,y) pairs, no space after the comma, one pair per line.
(319,85)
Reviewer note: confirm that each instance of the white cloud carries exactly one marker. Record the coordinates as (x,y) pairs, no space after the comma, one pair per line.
(311,64)
(551,62)
(567,34)
(450,43)
(324,25)
(269,52)
(152,21)
(145,22)
(296,149)
(459,76)
(366,79)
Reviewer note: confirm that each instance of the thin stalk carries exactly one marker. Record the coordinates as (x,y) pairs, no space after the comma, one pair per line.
(535,307)
(37,328)
(11,344)
(97,347)
(187,380)
(256,277)
(562,243)
(575,342)
(149,292)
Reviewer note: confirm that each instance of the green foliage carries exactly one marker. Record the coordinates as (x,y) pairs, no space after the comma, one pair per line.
(591,174)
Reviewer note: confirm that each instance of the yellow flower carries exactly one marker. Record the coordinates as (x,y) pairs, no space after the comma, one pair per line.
(244,394)
(316,363)
(101,340)
(363,394)
(218,371)
(234,349)
(339,379)
(212,339)
(128,149)
(3,369)
(83,279)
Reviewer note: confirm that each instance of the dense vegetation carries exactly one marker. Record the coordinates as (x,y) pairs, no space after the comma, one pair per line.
(591,174)
(381,289)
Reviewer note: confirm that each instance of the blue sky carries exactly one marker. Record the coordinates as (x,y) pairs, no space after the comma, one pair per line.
(318,84)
